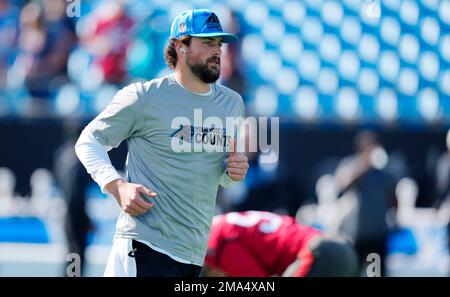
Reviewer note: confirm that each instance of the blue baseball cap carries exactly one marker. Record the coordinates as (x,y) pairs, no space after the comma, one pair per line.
(199,23)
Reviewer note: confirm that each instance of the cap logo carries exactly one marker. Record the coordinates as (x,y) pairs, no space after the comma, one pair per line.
(213,22)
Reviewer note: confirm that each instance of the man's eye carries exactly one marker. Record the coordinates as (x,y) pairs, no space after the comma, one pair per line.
(210,43)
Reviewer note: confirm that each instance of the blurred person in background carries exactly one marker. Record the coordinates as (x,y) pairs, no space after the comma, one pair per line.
(108,39)
(45,41)
(442,187)
(232,75)
(73,181)
(361,177)
(263,244)
(142,56)
(9,32)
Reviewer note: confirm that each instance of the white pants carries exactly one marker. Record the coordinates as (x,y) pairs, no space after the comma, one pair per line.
(119,263)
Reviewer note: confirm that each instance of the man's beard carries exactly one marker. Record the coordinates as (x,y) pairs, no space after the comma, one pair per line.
(203,72)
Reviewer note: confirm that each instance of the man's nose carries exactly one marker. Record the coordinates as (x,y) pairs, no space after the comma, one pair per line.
(217,51)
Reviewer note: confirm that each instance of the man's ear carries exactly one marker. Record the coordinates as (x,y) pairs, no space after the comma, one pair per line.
(179,46)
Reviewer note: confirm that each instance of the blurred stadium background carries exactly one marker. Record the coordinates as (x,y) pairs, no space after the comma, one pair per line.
(328,69)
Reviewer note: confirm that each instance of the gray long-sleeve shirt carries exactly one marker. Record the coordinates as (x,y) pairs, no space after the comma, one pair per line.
(148,117)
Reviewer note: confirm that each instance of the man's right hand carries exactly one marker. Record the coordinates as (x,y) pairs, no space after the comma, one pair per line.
(128,195)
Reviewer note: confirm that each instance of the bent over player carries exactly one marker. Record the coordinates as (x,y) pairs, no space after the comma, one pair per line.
(262,244)
(169,194)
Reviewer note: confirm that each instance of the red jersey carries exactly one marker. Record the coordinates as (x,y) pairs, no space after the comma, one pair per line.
(273,241)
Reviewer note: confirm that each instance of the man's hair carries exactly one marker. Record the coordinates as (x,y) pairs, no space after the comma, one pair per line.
(170,53)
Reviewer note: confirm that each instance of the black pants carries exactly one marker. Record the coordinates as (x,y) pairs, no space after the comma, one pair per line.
(150,263)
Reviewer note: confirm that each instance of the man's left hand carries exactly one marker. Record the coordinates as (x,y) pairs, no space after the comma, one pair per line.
(237,164)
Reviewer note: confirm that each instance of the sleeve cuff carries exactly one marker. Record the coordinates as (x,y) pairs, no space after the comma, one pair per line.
(106,177)
(226,181)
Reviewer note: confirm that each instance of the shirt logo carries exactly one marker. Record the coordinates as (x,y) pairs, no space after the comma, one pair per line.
(202,135)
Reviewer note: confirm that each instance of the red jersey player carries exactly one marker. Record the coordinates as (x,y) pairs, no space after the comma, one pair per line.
(257,243)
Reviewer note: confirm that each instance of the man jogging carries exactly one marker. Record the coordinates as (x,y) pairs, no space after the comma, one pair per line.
(169,195)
